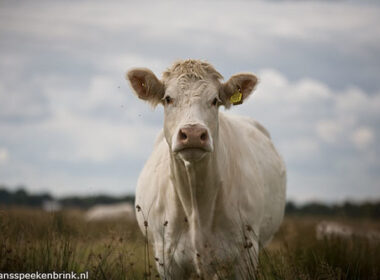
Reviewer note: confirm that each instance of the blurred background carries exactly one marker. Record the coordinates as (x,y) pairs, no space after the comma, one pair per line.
(70,125)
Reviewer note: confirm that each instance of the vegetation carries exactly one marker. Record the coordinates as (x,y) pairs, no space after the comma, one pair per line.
(33,240)
(20,197)
(348,209)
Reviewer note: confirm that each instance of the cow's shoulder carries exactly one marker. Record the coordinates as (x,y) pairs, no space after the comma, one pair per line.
(154,178)
(159,139)
(246,123)
(260,127)
(160,153)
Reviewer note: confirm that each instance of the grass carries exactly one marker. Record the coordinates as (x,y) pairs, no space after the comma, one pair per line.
(32,240)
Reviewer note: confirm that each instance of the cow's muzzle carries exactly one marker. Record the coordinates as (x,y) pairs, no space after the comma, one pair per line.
(192,141)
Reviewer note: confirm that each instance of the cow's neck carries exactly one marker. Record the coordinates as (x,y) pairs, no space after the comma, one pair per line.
(197,185)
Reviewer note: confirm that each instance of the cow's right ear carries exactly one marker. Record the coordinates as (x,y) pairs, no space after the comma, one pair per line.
(237,89)
(146,85)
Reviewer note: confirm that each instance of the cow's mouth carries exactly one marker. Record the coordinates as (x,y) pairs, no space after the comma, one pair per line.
(192,153)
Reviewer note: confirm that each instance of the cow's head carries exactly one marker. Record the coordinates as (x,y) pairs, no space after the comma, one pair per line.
(191,92)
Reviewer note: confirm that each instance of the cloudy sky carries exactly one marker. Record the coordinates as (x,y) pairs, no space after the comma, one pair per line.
(69,123)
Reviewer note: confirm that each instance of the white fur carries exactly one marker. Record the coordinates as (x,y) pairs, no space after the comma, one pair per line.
(210,213)
(242,184)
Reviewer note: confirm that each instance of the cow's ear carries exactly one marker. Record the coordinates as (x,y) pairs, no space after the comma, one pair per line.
(237,89)
(146,85)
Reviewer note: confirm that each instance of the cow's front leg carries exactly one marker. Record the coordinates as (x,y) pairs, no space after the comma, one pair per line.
(247,263)
(166,264)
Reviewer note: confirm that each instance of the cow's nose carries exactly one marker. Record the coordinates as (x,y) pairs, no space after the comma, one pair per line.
(193,136)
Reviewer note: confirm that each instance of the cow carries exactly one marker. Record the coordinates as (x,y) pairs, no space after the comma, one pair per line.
(213,190)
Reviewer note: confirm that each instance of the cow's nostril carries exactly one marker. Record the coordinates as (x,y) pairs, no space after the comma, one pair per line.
(182,135)
(204,136)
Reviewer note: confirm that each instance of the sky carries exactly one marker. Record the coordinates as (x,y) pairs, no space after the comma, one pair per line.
(70,125)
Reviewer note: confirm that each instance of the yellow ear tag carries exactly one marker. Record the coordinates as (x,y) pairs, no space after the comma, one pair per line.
(236,98)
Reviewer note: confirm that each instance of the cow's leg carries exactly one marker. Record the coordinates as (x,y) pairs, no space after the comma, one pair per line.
(167,266)
(245,265)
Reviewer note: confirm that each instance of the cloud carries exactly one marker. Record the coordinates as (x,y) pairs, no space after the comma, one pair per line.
(362,137)
(91,130)
(95,128)
(322,134)
(299,149)
(71,124)
(300,39)
(328,130)
(315,128)
(19,102)
(96,140)
(4,155)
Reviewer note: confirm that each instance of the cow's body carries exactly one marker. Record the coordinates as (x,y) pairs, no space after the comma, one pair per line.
(207,213)
(248,178)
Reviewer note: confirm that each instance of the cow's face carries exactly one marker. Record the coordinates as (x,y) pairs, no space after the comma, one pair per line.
(191,117)
(191,107)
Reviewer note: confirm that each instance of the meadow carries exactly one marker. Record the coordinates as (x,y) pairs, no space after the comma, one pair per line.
(33,240)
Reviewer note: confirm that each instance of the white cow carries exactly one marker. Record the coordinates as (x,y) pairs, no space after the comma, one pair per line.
(213,190)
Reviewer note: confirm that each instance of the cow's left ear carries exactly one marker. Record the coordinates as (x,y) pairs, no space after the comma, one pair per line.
(237,89)
(146,85)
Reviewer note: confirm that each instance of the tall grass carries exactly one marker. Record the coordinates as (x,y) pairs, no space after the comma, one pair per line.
(32,240)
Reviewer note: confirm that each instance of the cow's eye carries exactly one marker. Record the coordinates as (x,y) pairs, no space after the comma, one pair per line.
(215,101)
(168,100)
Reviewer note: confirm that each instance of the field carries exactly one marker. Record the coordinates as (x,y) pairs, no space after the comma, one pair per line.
(32,240)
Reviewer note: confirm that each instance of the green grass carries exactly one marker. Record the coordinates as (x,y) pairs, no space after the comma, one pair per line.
(32,240)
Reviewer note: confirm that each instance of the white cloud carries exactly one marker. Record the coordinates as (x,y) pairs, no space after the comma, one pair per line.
(97,140)
(17,102)
(322,133)
(94,124)
(299,149)
(274,87)
(356,101)
(313,109)
(303,117)
(121,63)
(63,64)
(4,155)
(328,130)
(362,137)
(259,20)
